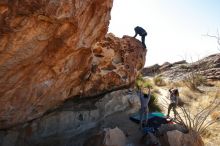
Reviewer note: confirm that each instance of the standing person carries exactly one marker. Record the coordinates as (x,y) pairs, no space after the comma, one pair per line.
(174,95)
(139,30)
(144,110)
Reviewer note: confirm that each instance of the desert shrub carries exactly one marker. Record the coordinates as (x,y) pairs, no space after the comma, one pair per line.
(189,94)
(147,84)
(159,81)
(200,80)
(143,82)
(140,77)
(206,134)
(139,81)
(174,84)
(183,66)
(215,115)
(198,122)
(218,84)
(153,104)
(194,80)
(156,91)
(181,102)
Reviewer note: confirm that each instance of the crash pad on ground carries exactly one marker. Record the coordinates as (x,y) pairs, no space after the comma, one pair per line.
(136,116)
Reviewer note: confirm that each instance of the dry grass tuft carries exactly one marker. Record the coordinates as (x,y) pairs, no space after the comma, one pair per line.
(207,133)
(159,81)
(172,84)
(156,91)
(188,94)
(215,115)
(198,122)
(193,80)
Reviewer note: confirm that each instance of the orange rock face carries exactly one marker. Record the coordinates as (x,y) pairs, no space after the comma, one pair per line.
(48,53)
(115,63)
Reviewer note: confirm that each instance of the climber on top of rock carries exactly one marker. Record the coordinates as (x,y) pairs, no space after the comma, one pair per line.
(139,30)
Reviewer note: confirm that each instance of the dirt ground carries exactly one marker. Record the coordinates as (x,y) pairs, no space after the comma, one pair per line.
(130,129)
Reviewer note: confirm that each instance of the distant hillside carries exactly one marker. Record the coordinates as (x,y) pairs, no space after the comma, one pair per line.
(209,67)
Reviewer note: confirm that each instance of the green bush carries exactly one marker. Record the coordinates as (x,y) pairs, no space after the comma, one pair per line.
(139,81)
(147,84)
(153,104)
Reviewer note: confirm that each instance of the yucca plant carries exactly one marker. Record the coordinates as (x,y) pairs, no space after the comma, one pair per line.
(200,121)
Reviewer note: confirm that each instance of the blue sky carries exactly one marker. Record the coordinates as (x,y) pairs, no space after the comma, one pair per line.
(176,28)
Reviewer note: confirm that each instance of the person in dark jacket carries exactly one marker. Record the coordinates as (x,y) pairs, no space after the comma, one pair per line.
(139,30)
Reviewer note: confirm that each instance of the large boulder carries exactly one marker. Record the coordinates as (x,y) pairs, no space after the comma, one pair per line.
(177,138)
(49,53)
(151,70)
(178,135)
(107,137)
(115,63)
